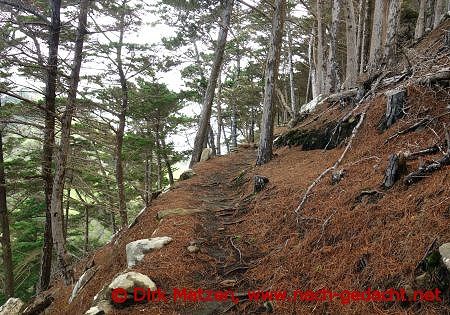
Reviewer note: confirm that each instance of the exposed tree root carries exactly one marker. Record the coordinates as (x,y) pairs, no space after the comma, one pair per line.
(332,168)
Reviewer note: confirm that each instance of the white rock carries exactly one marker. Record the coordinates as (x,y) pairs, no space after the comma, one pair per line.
(193,248)
(206,154)
(12,307)
(444,250)
(131,280)
(136,250)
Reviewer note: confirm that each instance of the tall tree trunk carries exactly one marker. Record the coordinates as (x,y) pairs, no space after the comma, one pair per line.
(49,141)
(352,52)
(315,91)
(320,64)
(66,221)
(122,121)
(360,29)
(158,159)
(212,82)
(333,82)
(225,139)
(167,161)
(86,228)
(219,114)
(392,30)
(291,74)
(252,125)
(211,140)
(5,238)
(376,42)
(63,149)
(420,24)
(439,10)
(148,178)
(364,37)
(271,76)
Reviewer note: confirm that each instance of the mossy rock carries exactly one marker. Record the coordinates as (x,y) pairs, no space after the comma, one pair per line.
(177,212)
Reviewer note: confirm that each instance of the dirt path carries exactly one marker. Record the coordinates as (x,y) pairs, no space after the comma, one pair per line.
(222,197)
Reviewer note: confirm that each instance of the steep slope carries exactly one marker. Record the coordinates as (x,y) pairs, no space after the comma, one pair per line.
(351,235)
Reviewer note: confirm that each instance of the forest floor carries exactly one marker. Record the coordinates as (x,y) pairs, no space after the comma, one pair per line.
(343,241)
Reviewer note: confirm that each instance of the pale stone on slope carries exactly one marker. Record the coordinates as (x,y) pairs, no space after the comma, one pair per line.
(136,250)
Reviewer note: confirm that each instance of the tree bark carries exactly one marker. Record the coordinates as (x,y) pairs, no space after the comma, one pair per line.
(219,114)
(364,37)
(352,52)
(271,75)
(4,222)
(167,161)
(49,141)
(392,30)
(333,83)
(291,73)
(86,228)
(376,42)
(439,10)
(148,178)
(420,24)
(158,159)
(360,28)
(122,121)
(212,82)
(320,75)
(63,149)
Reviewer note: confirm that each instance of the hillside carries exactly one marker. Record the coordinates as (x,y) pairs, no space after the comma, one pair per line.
(350,235)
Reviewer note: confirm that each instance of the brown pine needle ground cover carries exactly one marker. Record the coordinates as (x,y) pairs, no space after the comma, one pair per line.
(342,242)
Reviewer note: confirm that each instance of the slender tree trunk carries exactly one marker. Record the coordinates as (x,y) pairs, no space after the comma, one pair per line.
(86,228)
(364,39)
(315,90)
(252,124)
(5,238)
(158,152)
(211,140)
(66,221)
(225,139)
(271,76)
(167,161)
(148,178)
(63,149)
(392,30)
(352,52)
(376,42)
(122,121)
(291,74)
(49,141)
(219,113)
(333,82)
(359,36)
(320,65)
(429,15)
(439,10)
(212,82)
(420,24)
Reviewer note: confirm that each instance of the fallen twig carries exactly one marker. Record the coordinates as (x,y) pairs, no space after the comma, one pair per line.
(336,164)
(411,128)
(236,248)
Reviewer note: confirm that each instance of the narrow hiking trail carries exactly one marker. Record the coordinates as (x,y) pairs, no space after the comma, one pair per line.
(216,264)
